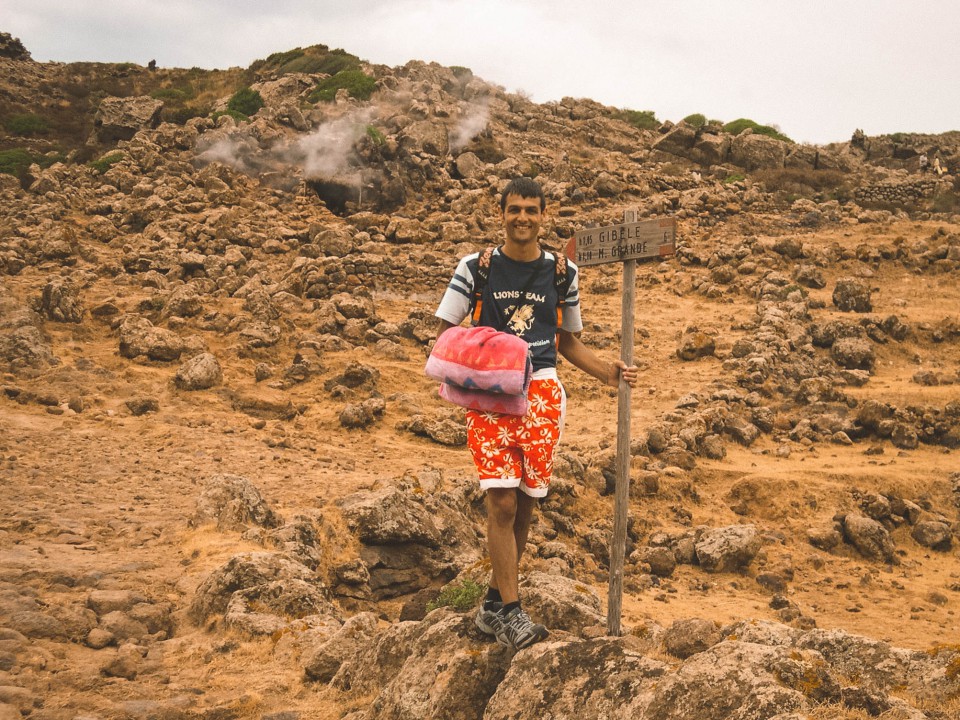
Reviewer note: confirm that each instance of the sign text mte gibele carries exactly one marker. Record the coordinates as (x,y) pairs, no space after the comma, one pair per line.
(651,238)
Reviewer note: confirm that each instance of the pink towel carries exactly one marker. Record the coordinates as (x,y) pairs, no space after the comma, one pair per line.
(482,368)
(484,401)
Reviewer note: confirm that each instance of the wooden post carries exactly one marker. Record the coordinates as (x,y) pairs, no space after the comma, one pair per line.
(628,243)
(618,543)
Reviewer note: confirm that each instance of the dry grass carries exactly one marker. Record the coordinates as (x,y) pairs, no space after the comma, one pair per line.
(802,181)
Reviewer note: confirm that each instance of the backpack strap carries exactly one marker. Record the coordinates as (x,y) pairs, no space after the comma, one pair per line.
(561,281)
(480,283)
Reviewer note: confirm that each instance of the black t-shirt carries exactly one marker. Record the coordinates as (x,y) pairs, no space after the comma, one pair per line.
(532,317)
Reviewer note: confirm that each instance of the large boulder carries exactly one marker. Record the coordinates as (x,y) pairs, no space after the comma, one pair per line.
(11,47)
(757,152)
(678,141)
(560,602)
(854,353)
(233,502)
(283,90)
(469,166)
(120,118)
(388,516)
(322,660)
(25,350)
(60,301)
(587,680)
(199,373)
(184,301)
(728,549)
(852,295)
(243,572)
(685,638)
(760,670)
(270,607)
(427,137)
(138,336)
(23,346)
(741,680)
(711,149)
(935,534)
(448,672)
(869,537)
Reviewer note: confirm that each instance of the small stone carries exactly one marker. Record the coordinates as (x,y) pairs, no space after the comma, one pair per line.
(142,406)
(99,638)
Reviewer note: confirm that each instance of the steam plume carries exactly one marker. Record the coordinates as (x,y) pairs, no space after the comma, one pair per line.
(472,123)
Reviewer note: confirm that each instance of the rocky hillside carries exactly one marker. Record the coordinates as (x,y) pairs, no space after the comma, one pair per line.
(230,491)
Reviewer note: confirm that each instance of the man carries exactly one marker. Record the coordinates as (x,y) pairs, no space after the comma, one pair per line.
(514,455)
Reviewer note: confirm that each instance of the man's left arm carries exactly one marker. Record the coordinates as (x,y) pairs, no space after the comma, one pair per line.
(572,348)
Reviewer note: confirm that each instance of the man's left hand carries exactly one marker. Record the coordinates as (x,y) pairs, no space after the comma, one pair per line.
(618,369)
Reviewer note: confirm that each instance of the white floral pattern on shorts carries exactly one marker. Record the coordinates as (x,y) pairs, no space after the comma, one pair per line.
(511,451)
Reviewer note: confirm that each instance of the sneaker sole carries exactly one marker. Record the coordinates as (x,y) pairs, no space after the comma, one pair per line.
(532,641)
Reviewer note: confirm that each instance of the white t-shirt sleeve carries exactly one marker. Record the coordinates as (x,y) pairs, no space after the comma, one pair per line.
(455,304)
(571,320)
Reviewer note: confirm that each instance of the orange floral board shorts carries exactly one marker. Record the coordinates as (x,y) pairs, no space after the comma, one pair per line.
(511,451)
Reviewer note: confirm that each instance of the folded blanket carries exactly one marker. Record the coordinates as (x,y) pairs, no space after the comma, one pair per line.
(484,401)
(476,362)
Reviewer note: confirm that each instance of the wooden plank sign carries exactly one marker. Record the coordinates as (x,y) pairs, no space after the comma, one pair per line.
(651,238)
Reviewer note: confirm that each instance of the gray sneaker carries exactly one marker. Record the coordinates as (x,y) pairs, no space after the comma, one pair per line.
(486,618)
(516,630)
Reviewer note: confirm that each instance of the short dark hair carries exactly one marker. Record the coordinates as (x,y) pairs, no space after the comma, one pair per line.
(524,187)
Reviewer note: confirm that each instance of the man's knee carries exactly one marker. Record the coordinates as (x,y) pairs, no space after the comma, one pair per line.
(502,505)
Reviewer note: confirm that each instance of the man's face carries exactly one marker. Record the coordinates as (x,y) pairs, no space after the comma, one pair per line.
(521,219)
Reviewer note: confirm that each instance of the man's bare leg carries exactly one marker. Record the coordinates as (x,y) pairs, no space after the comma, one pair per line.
(502,541)
(509,513)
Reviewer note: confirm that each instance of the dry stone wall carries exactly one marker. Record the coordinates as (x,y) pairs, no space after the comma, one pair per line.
(408,274)
(899,193)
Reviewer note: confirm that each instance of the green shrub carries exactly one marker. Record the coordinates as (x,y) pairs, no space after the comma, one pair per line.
(697,120)
(734,177)
(738,126)
(15,162)
(279,59)
(236,115)
(356,82)
(182,114)
(305,64)
(102,164)
(26,124)
(176,95)
(337,61)
(245,101)
(316,59)
(642,119)
(376,135)
(461,596)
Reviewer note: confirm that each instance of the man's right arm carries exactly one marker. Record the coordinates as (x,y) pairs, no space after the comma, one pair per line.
(443,326)
(455,304)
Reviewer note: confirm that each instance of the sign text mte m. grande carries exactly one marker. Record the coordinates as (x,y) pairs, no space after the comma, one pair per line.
(630,241)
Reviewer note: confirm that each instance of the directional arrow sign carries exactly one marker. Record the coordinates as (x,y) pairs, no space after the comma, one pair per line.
(629,241)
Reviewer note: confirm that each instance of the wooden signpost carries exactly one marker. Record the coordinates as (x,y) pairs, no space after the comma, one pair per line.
(626,243)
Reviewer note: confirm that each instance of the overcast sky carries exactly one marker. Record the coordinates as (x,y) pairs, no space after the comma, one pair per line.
(817,69)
